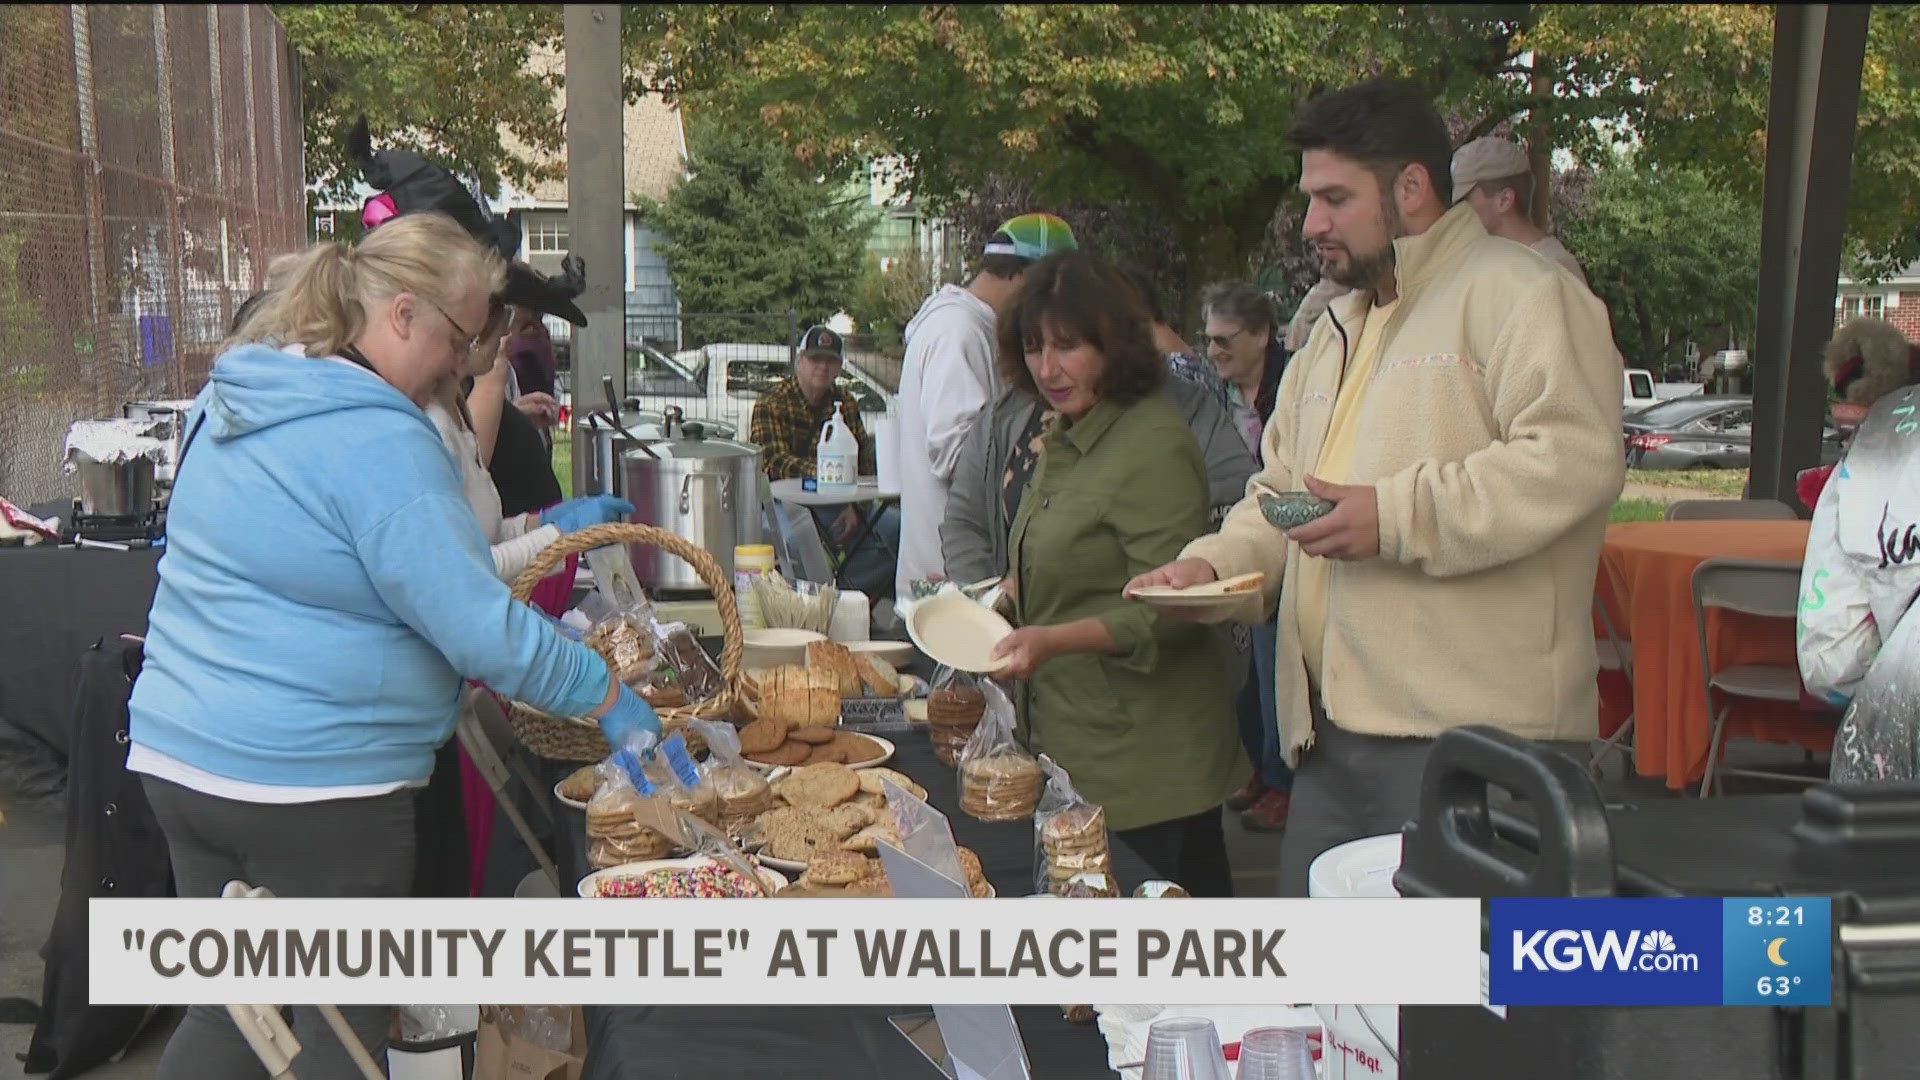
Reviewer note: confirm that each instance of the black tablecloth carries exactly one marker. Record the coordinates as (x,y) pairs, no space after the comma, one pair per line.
(666,1042)
(56,602)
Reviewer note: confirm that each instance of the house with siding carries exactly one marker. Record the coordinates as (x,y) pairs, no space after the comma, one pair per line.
(1895,299)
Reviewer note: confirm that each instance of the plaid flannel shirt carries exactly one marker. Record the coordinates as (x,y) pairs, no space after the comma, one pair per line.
(786,428)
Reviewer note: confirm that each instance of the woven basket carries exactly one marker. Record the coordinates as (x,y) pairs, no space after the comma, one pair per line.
(567,740)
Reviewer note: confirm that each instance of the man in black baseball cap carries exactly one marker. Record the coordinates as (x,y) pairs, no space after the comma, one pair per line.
(786,427)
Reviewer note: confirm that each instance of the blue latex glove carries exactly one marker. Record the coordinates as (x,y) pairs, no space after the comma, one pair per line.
(630,714)
(585,512)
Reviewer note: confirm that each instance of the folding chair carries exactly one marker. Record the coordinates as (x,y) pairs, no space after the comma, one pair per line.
(1750,587)
(471,730)
(1730,510)
(797,544)
(1614,655)
(266,1031)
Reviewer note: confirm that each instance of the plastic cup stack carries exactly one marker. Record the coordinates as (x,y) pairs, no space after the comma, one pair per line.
(1272,1053)
(1184,1048)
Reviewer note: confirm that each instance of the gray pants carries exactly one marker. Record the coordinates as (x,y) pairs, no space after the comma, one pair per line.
(346,847)
(1348,786)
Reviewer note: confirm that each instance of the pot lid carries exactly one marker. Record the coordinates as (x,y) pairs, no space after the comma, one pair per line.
(694,449)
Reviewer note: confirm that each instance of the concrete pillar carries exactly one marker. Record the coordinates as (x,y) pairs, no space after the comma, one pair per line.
(596,200)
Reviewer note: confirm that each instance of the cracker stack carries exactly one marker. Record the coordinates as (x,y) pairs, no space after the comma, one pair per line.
(615,836)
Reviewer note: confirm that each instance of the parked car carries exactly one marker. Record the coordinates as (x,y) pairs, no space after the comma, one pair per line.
(1637,385)
(1703,431)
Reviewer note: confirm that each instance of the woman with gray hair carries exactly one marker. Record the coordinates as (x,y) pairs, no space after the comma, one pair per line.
(324,590)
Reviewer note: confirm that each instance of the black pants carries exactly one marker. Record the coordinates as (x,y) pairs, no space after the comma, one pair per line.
(344,847)
(1190,851)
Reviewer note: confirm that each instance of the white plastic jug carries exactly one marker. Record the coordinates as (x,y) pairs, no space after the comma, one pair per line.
(837,459)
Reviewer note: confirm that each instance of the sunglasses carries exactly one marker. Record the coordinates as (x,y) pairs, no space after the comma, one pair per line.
(1220,341)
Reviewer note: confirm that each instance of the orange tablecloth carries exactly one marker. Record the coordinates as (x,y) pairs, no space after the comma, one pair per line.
(1646,579)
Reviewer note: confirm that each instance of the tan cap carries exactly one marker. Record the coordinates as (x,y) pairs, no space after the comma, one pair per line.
(1486,158)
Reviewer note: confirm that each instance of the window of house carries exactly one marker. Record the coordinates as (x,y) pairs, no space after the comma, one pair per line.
(1873,307)
(547,233)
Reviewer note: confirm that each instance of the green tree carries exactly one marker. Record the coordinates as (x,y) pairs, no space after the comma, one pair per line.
(1178,108)
(1672,265)
(469,84)
(747,231)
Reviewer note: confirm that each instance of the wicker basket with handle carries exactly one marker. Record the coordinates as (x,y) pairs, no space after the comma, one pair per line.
(568,740)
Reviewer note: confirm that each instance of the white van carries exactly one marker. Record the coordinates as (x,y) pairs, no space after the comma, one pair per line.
(1638,389)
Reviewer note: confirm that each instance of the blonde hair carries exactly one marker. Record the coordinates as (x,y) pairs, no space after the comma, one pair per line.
(320,297)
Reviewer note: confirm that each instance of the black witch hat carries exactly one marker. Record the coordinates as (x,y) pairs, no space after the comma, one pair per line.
(409,184)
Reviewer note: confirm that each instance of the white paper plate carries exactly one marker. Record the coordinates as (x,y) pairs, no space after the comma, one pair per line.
(957,632)
(589,885)
(1358,868)
(897,653)
(886,755)
(570,802)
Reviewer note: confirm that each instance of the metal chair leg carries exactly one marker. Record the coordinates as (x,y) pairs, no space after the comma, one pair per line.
(1619,740)
(1713,747)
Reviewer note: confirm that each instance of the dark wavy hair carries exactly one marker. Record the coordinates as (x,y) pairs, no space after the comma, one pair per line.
(1086,299)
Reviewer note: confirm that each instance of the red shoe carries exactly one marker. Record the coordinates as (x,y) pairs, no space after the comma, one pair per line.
(1248,794)
(1268,813)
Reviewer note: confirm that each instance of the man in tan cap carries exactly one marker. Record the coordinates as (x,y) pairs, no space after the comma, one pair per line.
(1495,178)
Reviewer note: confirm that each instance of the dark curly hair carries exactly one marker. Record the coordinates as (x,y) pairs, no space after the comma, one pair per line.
(1085,299)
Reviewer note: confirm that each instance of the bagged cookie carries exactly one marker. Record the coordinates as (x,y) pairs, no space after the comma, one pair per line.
(673,772)
(955,706)
(999,780)
(624,639)
(1069,834)
(615,815)
(742,792)
(684,665)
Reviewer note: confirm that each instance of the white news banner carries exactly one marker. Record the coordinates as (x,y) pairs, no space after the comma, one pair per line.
(813,951)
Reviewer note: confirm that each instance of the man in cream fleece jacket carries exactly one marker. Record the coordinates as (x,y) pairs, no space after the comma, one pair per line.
(1460,407)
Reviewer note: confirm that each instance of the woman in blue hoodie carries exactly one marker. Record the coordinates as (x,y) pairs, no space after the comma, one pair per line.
(324,591)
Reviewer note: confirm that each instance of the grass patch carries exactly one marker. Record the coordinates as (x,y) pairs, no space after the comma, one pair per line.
(1636,510)
(1725,483)
(563,461)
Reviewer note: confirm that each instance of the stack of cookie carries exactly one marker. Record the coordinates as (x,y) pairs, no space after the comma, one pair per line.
(615,835)
(952,714)
(772,740)
(1074,842)
(743,793)
(626,646)
(1000,786)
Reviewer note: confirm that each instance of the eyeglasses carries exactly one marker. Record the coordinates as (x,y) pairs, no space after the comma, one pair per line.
(462,348)
(1219,341)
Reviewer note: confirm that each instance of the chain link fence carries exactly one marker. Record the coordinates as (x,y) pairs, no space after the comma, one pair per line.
(150,167)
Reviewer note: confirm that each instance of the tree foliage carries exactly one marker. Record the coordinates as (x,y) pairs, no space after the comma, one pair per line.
(1672,265)
(746,231)
(458,82)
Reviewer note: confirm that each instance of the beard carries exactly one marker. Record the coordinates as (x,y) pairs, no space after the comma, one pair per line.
(1364,270)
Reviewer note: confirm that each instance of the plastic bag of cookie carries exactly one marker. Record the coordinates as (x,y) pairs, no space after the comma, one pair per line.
(624,639)
(1069,834)
(615,834)
(999,780)
(741,790)
(955,706)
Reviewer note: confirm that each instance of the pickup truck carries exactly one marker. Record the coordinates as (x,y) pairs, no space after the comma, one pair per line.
(719,383)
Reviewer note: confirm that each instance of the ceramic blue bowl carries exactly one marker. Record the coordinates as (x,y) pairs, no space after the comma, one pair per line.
(1292,509)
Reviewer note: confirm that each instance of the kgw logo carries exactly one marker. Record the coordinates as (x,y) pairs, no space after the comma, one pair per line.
(1571,950)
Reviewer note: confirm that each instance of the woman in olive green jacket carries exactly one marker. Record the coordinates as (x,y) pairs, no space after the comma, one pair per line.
(1109,483)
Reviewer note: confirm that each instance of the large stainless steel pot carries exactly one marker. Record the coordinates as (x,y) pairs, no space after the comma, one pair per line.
(116,489)
(696,489)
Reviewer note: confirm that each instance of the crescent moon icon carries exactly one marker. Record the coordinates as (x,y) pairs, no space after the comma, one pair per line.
(1773,951)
